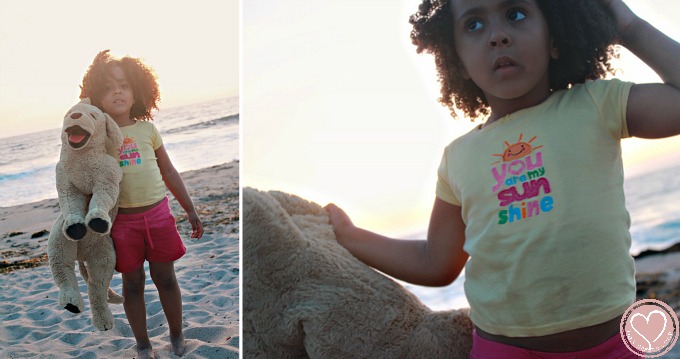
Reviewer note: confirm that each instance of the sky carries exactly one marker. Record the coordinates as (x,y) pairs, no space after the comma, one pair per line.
(338,107)
(46,47)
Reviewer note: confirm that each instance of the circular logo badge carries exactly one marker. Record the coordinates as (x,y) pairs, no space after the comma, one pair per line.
(649,328)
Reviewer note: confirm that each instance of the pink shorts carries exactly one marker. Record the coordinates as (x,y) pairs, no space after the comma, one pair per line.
(487,349)
(150,235)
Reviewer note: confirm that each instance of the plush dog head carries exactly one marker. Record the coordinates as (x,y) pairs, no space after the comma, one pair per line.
(86,126)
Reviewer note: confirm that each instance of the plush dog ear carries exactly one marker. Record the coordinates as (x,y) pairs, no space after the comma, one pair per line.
(113,131)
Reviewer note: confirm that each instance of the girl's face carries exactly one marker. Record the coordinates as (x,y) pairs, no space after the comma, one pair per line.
(505,49)
(118,98)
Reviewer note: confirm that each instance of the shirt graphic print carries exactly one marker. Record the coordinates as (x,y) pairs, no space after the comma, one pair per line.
(128,154)
(521,185)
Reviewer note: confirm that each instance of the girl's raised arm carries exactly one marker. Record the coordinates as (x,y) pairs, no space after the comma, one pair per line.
(653,109)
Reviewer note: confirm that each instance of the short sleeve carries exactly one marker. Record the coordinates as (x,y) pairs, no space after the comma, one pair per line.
(611,99)
(156,140)
(443,189)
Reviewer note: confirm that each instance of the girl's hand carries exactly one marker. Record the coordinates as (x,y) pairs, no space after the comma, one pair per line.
(196,225)
(339,220)
(624,16)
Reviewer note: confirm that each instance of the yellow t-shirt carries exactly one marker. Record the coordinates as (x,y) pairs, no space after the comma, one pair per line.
(541,192)
(142,182)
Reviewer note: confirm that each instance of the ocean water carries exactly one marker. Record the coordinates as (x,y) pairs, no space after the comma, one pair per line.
(195,136)
(652,199)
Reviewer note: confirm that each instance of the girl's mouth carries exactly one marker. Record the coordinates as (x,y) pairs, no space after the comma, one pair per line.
(503,62)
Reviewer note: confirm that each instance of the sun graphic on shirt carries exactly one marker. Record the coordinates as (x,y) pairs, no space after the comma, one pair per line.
(128,140)
(516,150)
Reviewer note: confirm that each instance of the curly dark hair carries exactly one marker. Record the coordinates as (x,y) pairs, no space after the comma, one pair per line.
(141,78)
(583,31)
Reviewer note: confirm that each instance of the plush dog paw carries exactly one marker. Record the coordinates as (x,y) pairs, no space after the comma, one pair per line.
(98,225)
(102,320)
(72,308)
(71,301)
(74,228)
(76,231)
(98,221)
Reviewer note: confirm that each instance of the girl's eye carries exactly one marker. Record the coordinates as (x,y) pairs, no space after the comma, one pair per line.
(516,15)
(473,25)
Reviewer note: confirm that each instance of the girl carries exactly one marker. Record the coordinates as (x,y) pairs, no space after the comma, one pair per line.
(144,228)
(531,202)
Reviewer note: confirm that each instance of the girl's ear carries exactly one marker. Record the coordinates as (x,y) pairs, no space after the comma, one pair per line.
(554,52)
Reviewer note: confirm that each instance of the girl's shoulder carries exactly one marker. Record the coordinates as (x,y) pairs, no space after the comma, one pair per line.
(601,93)
(145,129)
(146,126)
(597,87)
(145,123)
(600,84)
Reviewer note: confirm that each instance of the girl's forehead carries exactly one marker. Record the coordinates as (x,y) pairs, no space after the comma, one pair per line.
(117,73)
(461,8)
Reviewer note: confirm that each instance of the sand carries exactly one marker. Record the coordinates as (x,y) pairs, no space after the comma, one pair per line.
(33,324)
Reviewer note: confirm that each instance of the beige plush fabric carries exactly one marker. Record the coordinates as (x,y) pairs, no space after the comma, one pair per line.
(305,296)
(88,182)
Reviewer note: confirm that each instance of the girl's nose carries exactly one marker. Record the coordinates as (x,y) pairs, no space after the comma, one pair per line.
(499,37)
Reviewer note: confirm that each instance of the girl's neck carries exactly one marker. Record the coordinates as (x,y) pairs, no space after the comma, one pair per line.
(506,108)
(123,120)
(502,107)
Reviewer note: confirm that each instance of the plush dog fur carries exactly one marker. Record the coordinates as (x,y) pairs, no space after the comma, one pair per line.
(84,169)
(304,295)
(88,181)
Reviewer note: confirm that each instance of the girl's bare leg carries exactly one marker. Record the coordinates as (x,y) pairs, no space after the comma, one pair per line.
(163,276)
(135,310)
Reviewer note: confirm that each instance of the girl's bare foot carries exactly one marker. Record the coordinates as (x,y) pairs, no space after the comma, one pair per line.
(146,353)
(178,345)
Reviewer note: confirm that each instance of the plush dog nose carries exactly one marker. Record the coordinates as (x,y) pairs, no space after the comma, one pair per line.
(76,115)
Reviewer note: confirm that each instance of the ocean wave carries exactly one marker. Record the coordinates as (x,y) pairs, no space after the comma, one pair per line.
(40,147)
(27,186)
(233,119)
(7,177)
(198,135)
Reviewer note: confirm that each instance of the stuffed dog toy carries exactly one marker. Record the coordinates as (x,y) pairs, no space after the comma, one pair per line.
(85,169)
(88,181)
(306,296)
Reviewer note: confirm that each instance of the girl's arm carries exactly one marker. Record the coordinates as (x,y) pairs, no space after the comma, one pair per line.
(176,186)
(435,262)
(653,109)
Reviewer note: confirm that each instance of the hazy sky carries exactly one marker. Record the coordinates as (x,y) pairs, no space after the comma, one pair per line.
(337,106)
(46,47)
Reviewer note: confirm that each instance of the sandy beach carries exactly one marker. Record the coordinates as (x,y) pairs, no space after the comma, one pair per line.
(33,324)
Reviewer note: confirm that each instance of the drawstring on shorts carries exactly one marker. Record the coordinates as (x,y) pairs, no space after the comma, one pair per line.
(148,233)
